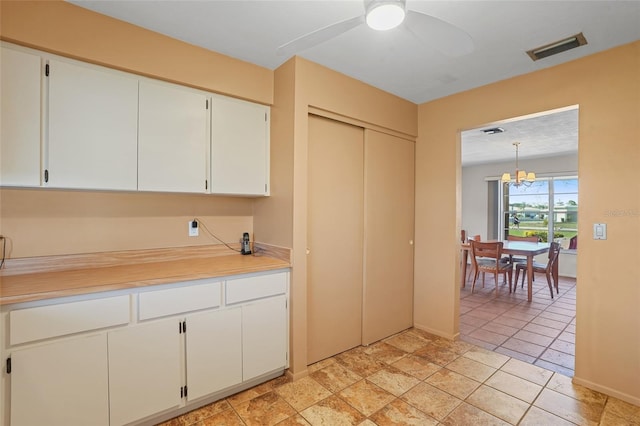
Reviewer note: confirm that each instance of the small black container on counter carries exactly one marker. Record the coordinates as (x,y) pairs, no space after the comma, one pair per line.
(246,244)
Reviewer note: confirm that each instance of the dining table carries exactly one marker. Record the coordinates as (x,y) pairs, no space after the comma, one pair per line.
(515,248)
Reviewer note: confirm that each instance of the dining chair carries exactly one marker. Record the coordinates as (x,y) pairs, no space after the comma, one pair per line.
(469,239)
(547,269)
(485,257)
(573,242)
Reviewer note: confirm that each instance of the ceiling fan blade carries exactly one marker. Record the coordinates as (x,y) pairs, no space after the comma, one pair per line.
(318,36)
(446,37)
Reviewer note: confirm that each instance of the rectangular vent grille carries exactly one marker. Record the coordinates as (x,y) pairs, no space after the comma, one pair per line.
(557,47)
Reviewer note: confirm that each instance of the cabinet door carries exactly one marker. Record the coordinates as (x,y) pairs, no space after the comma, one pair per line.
(63,383)
(387,306)
(239,147)
(144,370)
(264,336)
(93,124)
(173,139)
(20,76)
(214,351)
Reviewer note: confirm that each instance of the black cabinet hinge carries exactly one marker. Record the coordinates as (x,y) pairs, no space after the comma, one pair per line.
(46,70)
(8,365)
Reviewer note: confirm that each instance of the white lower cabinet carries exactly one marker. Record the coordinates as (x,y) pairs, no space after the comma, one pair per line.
(264,336)
(153,353)
(63,383)
(144,370)
(213,351)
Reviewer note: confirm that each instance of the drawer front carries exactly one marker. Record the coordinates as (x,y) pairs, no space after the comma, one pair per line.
(42,322)
(173,301)
(251,288)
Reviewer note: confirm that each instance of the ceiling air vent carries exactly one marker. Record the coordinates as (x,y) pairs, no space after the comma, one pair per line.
(557,47)
(493,130)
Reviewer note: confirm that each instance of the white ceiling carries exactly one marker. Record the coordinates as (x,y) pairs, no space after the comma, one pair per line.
(395,60)
(547,134)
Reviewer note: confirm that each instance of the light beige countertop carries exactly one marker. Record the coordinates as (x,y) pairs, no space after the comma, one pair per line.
(61,276)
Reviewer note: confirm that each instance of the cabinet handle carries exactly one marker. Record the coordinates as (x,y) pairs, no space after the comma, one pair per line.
(8,365)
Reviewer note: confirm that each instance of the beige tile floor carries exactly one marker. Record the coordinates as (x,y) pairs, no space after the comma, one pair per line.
(540,332)
(415,378)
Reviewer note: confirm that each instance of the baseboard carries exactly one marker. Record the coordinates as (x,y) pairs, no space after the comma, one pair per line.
(440,333)
(297,376)
(607,391)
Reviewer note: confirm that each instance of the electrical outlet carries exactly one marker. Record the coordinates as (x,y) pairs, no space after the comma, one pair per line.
(193,228)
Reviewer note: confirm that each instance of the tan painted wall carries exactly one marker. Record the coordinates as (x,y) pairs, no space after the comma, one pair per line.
(39,222)
(606,86)
(43,222)
(324,89)
(274,215)
(68,30)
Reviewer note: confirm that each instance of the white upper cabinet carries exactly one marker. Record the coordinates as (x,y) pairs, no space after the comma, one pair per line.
(239,147)
(92,128)
(173,139)
(83,126)
(20,111)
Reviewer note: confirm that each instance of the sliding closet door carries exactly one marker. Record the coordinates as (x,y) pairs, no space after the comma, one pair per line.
(335,238)
(389,230)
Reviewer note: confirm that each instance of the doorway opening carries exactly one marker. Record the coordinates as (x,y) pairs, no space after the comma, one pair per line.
(540,332)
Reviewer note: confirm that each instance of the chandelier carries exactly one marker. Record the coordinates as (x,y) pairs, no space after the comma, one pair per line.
(521,177)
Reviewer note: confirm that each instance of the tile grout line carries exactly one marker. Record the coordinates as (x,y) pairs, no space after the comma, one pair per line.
(523,303)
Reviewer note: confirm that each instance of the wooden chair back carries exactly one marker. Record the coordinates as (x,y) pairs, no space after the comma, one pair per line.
(486,250)
(554,252)
(573,242)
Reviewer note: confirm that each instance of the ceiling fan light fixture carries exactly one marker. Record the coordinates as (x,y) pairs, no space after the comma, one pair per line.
(385,15)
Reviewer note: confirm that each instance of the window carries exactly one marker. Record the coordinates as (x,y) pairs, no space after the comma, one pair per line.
(548,208)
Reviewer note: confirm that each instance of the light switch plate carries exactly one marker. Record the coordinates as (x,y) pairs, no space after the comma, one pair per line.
(599,231)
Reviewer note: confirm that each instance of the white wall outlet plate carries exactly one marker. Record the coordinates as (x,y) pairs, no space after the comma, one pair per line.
(193,228)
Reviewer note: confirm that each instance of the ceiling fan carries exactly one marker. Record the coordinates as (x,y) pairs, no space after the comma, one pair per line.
(386,14)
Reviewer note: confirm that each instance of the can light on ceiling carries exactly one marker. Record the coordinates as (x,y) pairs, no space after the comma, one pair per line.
(385,15)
